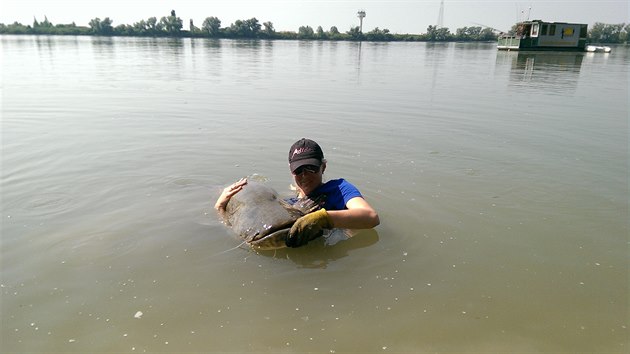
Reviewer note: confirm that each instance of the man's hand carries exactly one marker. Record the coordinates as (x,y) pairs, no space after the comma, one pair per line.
(228,193)
(309,227)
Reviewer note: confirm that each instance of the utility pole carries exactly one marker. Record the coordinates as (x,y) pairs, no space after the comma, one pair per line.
(440,22)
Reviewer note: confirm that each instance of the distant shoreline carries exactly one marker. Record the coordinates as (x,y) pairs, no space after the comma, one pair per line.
(87,32)
(245,38)
(172,27)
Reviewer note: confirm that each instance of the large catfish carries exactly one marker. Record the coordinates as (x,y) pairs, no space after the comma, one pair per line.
(262,219)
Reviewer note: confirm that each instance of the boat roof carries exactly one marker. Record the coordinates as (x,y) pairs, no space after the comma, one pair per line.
(553,23)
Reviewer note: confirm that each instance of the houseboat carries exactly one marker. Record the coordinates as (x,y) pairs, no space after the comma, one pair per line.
(540,35)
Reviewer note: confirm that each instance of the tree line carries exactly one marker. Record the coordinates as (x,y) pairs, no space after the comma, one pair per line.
(173,26)
(609,33)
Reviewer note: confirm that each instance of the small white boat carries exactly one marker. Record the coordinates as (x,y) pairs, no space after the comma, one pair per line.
(598,49)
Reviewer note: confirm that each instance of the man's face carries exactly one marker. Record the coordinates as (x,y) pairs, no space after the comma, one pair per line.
(308,178)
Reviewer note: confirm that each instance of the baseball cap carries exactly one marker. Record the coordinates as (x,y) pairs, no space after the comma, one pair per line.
(305,152)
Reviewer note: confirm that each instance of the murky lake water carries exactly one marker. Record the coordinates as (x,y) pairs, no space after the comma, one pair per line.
(501,180)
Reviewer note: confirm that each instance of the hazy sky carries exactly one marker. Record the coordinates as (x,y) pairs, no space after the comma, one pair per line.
(399,16)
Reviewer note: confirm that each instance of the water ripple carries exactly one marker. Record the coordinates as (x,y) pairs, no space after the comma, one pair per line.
(43,204)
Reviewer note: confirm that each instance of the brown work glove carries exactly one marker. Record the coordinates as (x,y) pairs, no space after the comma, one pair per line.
(308,227)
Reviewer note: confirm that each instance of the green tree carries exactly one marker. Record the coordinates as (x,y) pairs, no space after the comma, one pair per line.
(237,29)
(106,26)
(254,26)
(465,33)
(192,28)
(172,24)
(597,32)
(244,29)
(461,35)
(212,26)
(95,25)
(69,29)
(125,30)
(487,34)
(269,31)
(103,28)
(306,32)
(333,33)
(153,28)
(46,23)
(140,28)
(379,35)
(320,34)
(608,33)
(355,33)
(474,32)
(435,34)
(17,28)
(625,35)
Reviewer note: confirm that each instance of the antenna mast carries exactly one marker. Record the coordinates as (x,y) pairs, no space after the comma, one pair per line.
(440,22)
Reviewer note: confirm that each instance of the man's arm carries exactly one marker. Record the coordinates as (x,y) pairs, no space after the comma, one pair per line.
(228,193)
(359,215)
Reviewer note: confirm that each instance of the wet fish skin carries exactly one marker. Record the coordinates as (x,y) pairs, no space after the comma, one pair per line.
(261,218)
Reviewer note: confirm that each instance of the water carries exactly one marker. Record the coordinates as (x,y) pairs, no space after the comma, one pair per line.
(501,181)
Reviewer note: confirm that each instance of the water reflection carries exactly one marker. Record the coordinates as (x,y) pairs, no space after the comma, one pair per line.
(556,72)
(247,44)
(321,254)
(554,61)
(44,42)
(435,56)
(168,46)
(47,45)
(103,44)
(357,50)
(106,41)
(212,44)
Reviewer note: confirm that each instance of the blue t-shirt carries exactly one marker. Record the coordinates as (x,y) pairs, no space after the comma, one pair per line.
(337,193)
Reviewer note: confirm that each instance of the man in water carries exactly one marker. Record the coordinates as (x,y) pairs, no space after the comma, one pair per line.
(343,205)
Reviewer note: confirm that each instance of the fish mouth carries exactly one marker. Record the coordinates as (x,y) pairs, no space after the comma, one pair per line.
(268,231)
(271,241)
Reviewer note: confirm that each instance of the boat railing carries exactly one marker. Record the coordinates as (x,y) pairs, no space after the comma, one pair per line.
(508,41)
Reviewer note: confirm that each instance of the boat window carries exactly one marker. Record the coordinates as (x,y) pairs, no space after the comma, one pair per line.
(583,31)
(535,30)
(552,30)
(543,30)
